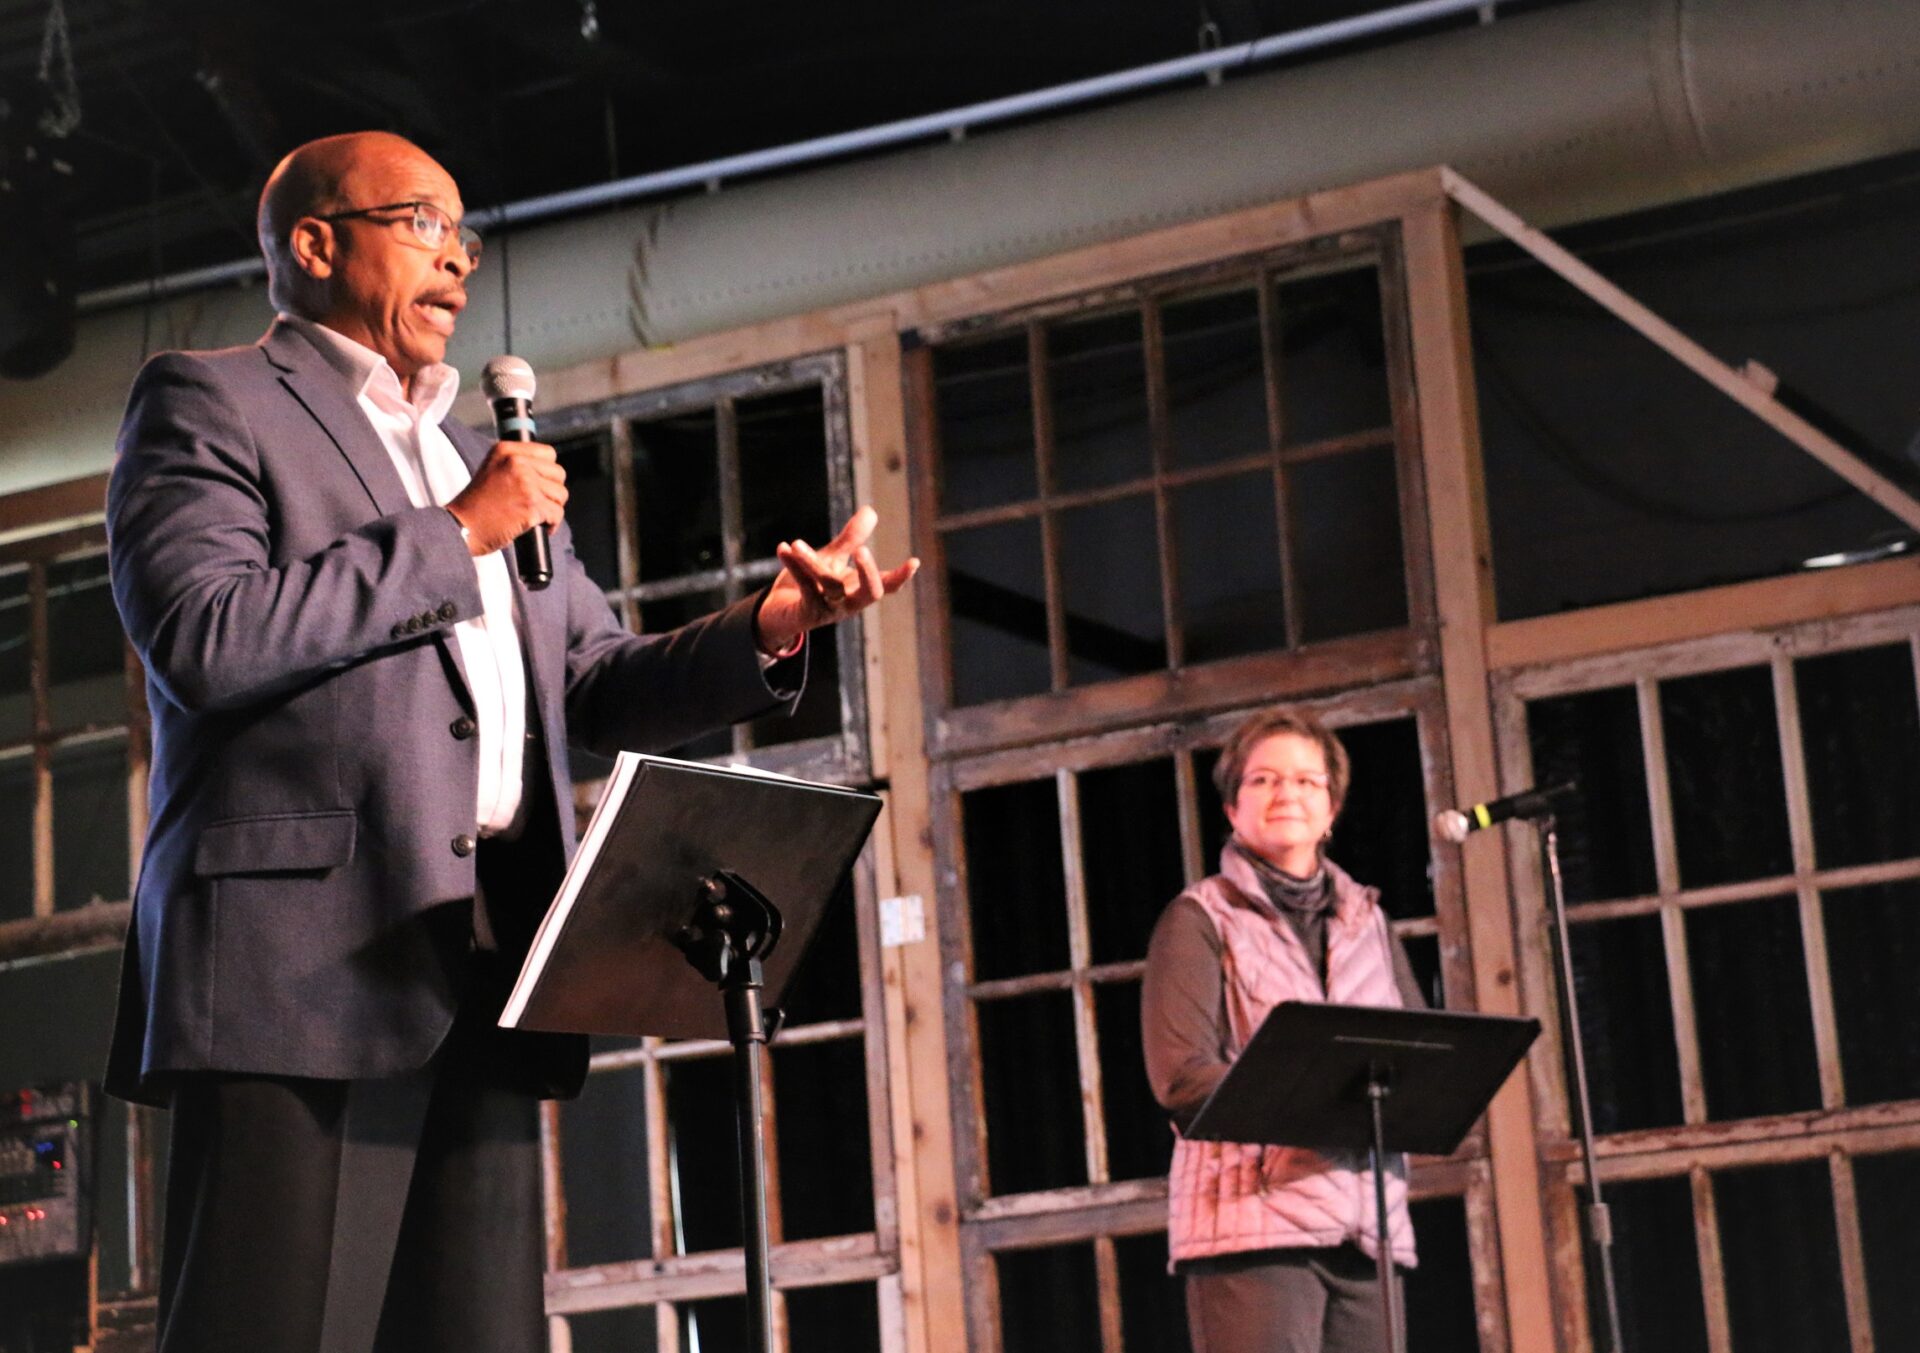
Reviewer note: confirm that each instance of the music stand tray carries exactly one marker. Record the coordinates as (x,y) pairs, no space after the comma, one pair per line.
(1364,1077)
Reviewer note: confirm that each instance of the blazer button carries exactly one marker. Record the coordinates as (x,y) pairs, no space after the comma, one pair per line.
(447,610)
(411,625)
(427,620)
(463,845)
(462,728)
(398,631)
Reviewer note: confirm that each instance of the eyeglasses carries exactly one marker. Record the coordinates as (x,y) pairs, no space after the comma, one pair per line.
(1301,782)
(431,225)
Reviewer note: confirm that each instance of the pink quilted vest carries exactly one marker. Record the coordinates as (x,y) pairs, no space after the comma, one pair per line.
(1225,1198)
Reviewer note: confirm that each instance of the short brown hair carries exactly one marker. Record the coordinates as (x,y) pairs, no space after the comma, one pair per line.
(1232,764)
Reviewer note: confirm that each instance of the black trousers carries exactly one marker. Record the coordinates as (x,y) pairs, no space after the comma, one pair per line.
(286,1196)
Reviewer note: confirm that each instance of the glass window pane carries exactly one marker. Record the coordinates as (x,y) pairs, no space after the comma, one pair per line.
(715,1323)
(1606,832)
(1723,764)
(1657,1265)
(1139,1142)
(783,470)
(1333,365)
(996,586)
(1049,1300)
(1439,1291)
(1423,956)
(630,1329)
(826,1160)
(826,985)
(668,613)
(844,1318)
(16,837)
(590,510)
(983,395)
(1626,1023)
(1888,1189)
(676,476)
(1782,1257)
(603,1158)
(1016,881)
(86,668)
(1216,378)
(1752,1009)
(1096,369)
(705,1162)
(1214,830)
(1861,731)
(1130,852)
(1231,599)
(1030,1077)
(90,824)
(1345,517)
(1873,951)
(1153,1302)
(1382,832)
(16,691)
(1110,584)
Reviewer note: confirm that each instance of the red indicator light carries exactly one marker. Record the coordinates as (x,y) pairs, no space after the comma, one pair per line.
(56,1165)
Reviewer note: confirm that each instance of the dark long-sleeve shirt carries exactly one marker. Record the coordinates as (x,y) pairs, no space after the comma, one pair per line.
(1183,1006)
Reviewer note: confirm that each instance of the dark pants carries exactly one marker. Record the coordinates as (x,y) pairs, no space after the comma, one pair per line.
(305,1215)
(1285,1301)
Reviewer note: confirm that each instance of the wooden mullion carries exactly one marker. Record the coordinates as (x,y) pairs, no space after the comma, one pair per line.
(1154,350)
(1483,1259)
(770,1113)
(1106,1277)
(1813,925)
(553,1190)
(1673,930)
(1853,1252)
(1192,796)
(1040,383)
(1713,1271)
(1026,509)
(659,1156)
(626,519)
(1271,358)
(1086,1034)
(39,680)
(726,426)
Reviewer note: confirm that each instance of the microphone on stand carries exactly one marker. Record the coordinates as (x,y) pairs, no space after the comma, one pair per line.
(508,384)
(1456,824)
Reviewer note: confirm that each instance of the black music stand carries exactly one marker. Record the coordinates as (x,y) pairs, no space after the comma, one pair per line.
(1361,1076)
(672,893)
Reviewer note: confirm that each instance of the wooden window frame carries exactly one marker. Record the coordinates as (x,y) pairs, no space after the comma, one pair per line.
(1300,668)
(1835,1131)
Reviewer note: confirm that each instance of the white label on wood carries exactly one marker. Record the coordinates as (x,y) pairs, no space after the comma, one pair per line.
(903,920)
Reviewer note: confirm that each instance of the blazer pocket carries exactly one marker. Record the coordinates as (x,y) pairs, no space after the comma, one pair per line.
(282,843)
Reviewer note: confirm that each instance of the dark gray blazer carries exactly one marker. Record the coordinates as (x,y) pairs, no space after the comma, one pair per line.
(314,770)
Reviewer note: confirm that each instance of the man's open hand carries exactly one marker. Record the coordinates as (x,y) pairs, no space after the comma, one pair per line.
(818,587)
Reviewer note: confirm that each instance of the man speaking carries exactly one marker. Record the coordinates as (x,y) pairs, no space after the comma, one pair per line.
(360,798)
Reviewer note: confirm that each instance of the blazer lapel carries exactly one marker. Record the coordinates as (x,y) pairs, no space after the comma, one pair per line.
(323,394)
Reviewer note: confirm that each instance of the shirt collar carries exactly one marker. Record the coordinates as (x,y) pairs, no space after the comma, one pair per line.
(371,376)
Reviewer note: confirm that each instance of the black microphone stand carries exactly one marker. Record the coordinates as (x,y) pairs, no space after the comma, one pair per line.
(1599,1223)
(735,928)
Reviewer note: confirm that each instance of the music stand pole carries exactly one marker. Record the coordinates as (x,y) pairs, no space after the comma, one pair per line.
(1599,1221)
(1378,1088)
(734,929)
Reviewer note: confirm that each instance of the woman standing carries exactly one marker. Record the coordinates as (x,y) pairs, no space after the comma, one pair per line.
(1276,1244)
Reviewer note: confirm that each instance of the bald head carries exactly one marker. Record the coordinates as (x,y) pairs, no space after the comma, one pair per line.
(317,178)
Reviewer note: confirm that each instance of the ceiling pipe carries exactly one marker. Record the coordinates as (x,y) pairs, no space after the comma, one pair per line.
(955,121)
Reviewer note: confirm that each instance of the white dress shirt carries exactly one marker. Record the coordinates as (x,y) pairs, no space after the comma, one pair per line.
(434,474)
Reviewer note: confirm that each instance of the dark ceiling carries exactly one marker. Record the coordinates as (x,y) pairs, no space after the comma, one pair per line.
(183,105)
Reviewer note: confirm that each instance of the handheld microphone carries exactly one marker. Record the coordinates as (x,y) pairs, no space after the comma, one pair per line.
(508,384)
(1456,824)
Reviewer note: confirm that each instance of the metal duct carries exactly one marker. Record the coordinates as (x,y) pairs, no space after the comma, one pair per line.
(1567,114)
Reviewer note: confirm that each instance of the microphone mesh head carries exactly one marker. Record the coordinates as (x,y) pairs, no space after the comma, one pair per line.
(1452,825)
(507,378)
